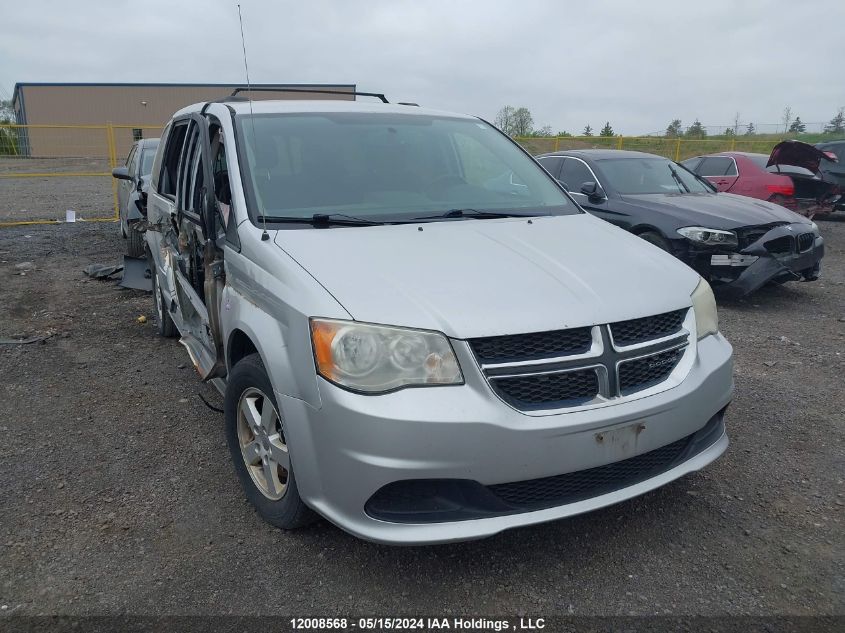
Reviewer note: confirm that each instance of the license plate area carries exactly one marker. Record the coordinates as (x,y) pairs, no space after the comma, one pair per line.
(621,442)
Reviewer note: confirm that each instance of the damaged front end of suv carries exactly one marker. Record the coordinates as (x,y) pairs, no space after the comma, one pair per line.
(743,260)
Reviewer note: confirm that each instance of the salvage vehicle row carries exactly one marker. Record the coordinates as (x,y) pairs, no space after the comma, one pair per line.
(736,242)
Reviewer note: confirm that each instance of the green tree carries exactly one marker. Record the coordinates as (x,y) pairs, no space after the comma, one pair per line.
(696,130)
(543,132)
(515,121)
(523,122)
(606,130)
(749,130)
(787,118)
(563,134)
(798,126)
(837,123)
(7,113)
(504,119)
(674,129)
(729,131)
(8,135)
(588,131)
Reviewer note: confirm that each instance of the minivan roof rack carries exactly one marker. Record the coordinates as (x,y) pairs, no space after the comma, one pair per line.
(377,95)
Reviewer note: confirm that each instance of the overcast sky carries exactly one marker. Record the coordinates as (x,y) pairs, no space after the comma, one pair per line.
(636,64)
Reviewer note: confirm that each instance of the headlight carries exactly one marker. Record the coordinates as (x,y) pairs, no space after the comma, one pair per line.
(379,358)
(814,226)
(704,307)
(710,237)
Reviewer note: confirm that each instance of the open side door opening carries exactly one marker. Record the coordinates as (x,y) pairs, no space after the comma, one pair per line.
(200,277)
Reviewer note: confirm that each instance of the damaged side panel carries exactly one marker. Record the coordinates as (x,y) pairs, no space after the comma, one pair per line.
(187,264)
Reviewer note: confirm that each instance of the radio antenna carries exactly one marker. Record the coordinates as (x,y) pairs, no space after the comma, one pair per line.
(264,235)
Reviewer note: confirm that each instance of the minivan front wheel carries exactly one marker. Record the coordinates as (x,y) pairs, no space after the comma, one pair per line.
(256,437)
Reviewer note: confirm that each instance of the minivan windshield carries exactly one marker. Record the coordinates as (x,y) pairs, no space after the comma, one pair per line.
(631,176)
(389,167)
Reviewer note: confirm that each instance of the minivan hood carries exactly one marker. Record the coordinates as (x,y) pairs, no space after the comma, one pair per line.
(471,278)
(797,154)
(714,210)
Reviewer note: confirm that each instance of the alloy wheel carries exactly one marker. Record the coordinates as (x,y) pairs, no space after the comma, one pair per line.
(262,443)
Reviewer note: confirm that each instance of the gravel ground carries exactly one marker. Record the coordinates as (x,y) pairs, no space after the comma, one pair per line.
(118,495)
(26,198)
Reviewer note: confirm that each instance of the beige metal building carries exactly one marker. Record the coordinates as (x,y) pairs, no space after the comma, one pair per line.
(78,119)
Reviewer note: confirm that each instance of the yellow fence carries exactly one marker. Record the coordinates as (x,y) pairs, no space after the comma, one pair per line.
(48,169)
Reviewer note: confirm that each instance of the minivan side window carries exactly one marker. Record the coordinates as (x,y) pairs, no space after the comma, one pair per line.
(170,162)
(191,174)
(717,166)
(158,157)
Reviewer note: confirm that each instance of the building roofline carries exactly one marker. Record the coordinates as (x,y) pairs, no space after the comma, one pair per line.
(234,84)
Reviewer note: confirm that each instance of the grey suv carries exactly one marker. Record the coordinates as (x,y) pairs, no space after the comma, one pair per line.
(134,179)
(418,334)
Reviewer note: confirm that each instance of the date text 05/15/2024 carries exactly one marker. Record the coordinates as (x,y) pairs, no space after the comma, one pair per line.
(418,624)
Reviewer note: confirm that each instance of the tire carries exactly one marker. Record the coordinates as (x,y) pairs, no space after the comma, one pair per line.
(135,245)
(652,237)
(260,441)
(166,326)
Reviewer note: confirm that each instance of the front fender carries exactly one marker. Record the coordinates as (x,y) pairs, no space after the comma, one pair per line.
(285,348)
(273,310)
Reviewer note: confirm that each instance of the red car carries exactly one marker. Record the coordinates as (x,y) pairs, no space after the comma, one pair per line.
(789,177)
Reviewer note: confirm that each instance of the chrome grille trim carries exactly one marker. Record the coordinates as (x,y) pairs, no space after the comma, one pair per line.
(606,359)
(596,349)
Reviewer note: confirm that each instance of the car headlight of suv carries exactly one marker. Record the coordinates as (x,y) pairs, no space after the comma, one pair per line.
(704,307)
(709,237)
(380,358)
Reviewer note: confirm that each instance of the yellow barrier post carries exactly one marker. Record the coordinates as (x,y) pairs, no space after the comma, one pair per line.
(113,163)
(678,150)
(619,143)
(733,144)
(557,143)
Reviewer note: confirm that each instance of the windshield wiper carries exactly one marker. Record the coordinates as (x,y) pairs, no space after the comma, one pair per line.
(474,213)
(711,188)
(326,219)
(681,184)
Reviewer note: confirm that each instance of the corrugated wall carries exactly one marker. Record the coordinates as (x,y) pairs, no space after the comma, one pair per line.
(136,106)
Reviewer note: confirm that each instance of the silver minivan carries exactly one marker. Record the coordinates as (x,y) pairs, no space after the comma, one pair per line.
(418,334)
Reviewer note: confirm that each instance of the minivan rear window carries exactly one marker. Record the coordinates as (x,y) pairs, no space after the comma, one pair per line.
(387,166)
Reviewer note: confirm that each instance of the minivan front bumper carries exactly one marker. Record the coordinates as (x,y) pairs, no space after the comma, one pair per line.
(353,446)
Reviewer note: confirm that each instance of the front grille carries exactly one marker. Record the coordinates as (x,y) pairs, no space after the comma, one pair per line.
(642,373)
(519,347)
(747,237)
(805,242)
(647,328)
(573,367)
(780,245)
(557,490)
(548,390)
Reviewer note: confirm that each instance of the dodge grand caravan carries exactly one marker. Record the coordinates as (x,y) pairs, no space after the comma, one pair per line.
(418,334)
